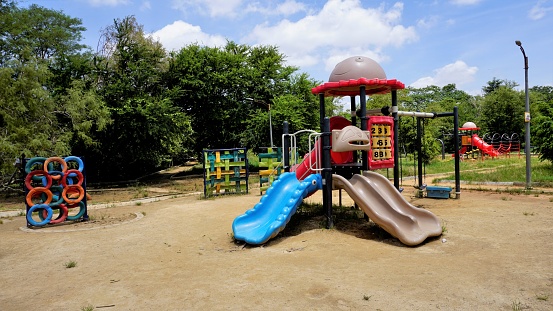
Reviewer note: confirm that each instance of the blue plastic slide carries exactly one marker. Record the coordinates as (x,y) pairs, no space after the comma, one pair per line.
(268,217)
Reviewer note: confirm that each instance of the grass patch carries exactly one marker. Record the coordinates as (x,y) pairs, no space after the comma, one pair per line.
(497,170)
(542,297)
(70,264)
(516,305)
(87,308)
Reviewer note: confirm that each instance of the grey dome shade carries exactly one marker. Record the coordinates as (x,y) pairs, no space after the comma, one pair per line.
(469,125)
(357,67)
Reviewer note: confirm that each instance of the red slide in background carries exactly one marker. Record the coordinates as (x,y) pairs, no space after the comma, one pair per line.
(482,145)
(304,168)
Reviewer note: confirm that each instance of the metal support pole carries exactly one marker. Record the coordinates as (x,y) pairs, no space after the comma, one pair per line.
(363,103)
(419,151)
(396,139)
(321,110)
(457,155)
(327,173)
(353,109)
(526,120)
(286,146)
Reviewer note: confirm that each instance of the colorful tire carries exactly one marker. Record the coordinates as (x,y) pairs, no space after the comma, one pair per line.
(38,173)
(33,161)
(71,174)
(82,209)
(57,197)
(35,192)
(69,188)
(62,163)
(56,175)
(43,222)
(61,217)
(75,159)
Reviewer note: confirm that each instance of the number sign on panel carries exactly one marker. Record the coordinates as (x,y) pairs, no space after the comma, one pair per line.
(382,137)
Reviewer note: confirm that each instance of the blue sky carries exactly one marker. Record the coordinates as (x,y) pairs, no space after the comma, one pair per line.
(419,42)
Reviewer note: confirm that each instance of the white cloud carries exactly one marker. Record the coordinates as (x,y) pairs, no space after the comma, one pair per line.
(180,34)
(108,2)
(341,27)
(213,8)
(465,2)
(288,7)
(539,10)
(428,22)
(458,73)
(145,6)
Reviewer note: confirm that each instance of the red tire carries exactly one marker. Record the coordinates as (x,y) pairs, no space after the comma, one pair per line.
(64,212)
(80,178)
(38,173)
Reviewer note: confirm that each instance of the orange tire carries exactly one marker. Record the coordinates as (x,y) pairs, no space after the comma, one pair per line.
(70,189)
(37,191)
(62,163)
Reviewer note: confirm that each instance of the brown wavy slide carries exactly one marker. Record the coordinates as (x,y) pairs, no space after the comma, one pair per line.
(386,207)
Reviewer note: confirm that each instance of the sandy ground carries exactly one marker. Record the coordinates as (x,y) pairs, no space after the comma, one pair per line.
(179,254)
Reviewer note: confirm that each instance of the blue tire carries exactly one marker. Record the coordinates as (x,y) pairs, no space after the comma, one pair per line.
(36,207)
(76,159)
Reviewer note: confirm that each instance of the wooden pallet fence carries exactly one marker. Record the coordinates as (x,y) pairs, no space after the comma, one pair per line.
(269,168)
(225,171)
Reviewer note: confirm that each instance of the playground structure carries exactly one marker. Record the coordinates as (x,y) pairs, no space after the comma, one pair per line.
(334,158)
(54,183)
(225,171)
(493,146)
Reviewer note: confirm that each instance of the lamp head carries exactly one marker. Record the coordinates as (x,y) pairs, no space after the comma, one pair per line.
(518,43)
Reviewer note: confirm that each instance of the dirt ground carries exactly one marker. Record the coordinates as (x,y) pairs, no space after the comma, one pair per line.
(179,254)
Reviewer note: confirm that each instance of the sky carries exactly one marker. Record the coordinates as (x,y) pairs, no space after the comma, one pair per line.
(418,42)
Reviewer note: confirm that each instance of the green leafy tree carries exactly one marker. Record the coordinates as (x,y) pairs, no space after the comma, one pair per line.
(37,32)
(495,83)
(216,86)
(542,122)
(147,131)
(502,111)
(34,120)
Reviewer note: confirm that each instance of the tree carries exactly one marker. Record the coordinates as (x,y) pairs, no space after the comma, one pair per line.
(542,121)
(495,83)
(147,131)
(503,111)
(37,32)
(213,84)
(34,119)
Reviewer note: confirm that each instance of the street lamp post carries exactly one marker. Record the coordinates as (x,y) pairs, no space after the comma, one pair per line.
(270,121)
(526,119)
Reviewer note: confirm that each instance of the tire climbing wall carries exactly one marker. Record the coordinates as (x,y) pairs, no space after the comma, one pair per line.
(225,171)
(55,190)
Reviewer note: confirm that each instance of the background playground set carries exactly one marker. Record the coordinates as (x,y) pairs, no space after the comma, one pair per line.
(472,146)
(341,158)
